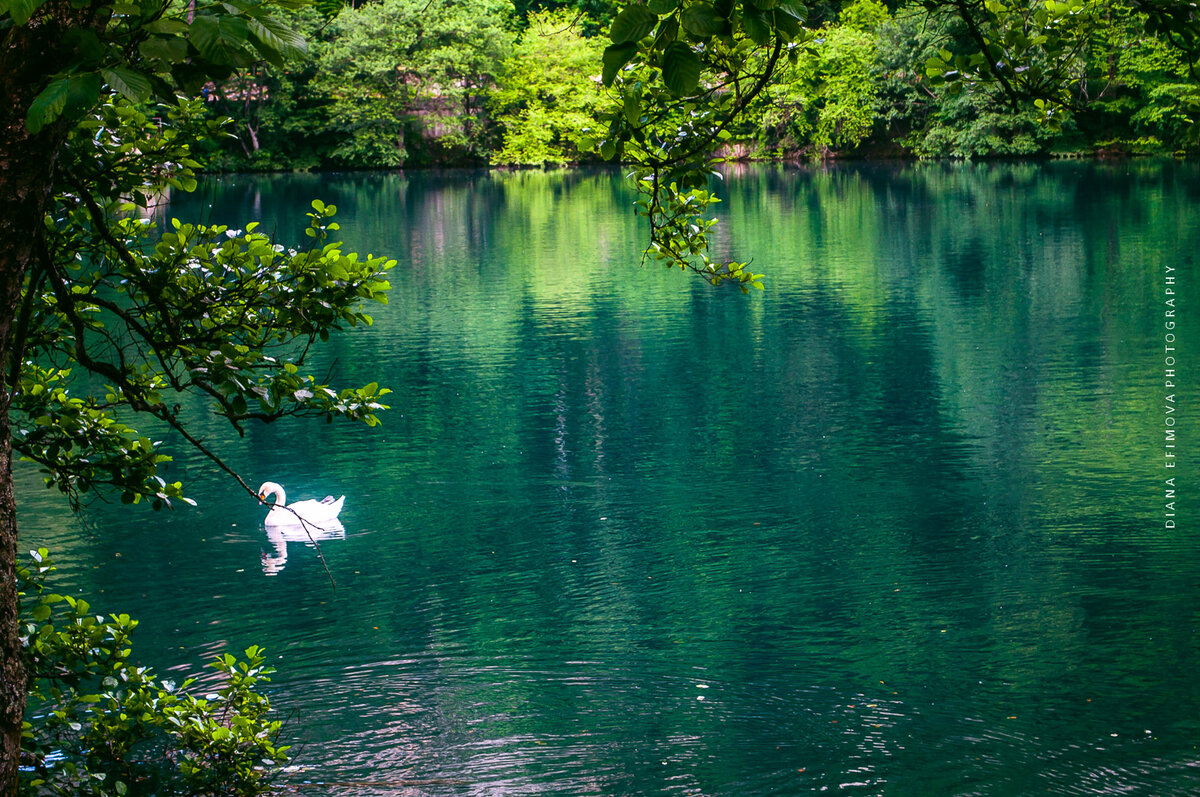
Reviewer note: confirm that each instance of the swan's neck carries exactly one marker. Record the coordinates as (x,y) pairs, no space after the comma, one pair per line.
(280,496)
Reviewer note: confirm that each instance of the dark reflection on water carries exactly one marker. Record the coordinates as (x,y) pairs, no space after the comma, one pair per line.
(894,526)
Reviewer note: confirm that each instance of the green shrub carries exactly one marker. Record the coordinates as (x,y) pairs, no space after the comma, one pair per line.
(826,101)
(98,724)
(547,93)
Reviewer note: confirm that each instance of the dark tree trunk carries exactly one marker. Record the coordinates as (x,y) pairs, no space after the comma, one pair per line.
(26,184)
(24,190)
(19,222)
(12,670)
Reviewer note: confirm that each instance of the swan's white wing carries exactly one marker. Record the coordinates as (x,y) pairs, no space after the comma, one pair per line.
(308,511)
(309,508)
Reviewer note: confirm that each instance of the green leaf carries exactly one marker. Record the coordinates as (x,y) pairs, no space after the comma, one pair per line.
(268,54)
(616,56)
(681,69)
(47,106)
(756,27)
(132,85)
(68,96)
(20,10)
(220,39)
(171,49)
(794,8)
(663,7)
(632,24)
(633,107)
(786,24)
(276,35)
(172,27)
(668,32)
(86,47)
(702,20)
(83,90)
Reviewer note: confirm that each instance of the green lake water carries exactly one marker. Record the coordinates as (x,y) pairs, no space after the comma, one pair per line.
(897,525)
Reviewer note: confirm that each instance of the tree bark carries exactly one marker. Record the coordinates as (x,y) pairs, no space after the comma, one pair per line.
(24,192)
(26,185)
(12,669)
(20,220)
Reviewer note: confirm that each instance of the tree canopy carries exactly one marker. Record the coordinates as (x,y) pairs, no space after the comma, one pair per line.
(396,67)
(858,79)
(546,94)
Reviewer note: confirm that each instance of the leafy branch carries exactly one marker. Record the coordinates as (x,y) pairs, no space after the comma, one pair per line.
(681,72)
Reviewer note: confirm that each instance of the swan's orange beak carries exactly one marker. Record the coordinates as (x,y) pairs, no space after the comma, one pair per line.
(262,498)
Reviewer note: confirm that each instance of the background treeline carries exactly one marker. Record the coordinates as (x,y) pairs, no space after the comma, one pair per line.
(390,83)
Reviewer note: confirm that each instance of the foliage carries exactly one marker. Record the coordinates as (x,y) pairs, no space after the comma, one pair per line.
(933,119)
(591,17)
(1040,52)
(1117,95)
(972,124)
(224,313)
(1028,51)
(857,79)
(99,724)
(399,71)
(1140,87)
(681,72)
(904,98)
(171,44)
(827,99)
(280,113)
(546,92)
(847,96)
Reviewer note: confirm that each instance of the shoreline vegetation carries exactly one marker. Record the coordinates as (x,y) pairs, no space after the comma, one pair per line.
(388,84)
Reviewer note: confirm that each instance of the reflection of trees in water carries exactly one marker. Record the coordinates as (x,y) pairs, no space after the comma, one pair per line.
(933,339)
(607,477)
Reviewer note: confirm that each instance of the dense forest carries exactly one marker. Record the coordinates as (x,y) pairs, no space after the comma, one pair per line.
(389,83)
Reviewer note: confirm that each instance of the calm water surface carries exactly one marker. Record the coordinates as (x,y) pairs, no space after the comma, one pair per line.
(897,525)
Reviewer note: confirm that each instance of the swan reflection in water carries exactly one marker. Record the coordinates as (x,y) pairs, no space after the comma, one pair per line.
(280,536)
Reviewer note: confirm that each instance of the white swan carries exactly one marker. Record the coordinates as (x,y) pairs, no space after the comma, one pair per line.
(302,513)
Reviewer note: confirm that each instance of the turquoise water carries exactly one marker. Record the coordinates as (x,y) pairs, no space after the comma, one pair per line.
(898,524)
